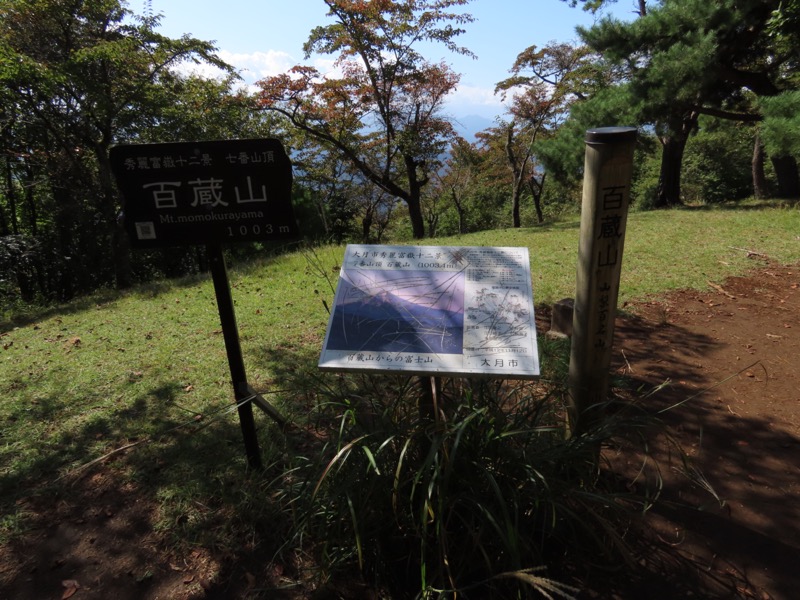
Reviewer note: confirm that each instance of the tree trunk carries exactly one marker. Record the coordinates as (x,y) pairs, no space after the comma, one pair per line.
(669,180)
(459,211)
(537,188)
(415,214)
(673,146)
(431,217)
(516,173)
(366,227)
(383,220)
(537,204)
(30,201)
(201,258)
(8,224)
(322,211)
(786,173)
(120,246)
(26,292)
(65,224)
(515,193)
(760,187)
(414,198)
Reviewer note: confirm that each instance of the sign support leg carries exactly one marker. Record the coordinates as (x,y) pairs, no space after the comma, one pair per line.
(242,392)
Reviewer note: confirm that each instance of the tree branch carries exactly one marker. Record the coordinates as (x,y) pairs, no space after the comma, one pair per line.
(728,115)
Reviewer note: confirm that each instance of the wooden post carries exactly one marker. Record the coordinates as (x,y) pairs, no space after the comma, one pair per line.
(230,332)
(604,213)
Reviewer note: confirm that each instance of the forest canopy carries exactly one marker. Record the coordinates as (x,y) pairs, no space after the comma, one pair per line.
(712,87)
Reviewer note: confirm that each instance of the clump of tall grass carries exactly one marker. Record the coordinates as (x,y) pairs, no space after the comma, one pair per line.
(471,493)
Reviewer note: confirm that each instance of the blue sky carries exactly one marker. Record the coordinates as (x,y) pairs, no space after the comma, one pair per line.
(265,37)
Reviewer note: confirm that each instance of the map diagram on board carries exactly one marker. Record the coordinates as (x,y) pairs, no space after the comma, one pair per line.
(433,309)
(499,320)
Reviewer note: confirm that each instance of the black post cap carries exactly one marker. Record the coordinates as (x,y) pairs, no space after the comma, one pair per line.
(610,135)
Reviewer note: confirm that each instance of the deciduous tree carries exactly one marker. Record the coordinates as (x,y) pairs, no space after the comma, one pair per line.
(455,181)
(382,112)
(543,85)
(86,74)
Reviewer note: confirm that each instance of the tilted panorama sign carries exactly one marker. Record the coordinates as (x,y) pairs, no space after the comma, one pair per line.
(201,192)
(433,310)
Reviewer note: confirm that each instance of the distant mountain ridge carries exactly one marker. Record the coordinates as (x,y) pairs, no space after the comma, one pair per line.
(470,125)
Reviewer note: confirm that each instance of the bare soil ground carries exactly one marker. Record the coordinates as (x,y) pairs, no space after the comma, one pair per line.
(731,355)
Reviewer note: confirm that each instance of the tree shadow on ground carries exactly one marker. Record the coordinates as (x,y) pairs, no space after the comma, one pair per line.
(163,515)
(747,543)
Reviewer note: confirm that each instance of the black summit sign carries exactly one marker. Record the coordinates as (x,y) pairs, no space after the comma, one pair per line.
(205,192)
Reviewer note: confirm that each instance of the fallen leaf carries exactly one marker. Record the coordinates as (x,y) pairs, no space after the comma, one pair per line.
(71,587)
(188,388)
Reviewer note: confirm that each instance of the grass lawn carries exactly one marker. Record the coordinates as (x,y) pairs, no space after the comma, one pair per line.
(148,366)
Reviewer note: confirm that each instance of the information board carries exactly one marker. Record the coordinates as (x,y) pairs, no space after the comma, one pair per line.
(435,310)
(201,192)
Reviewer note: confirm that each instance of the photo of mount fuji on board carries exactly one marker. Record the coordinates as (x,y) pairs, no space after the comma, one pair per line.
(437,310)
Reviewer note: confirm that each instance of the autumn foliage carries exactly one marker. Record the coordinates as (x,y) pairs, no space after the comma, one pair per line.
(381,109)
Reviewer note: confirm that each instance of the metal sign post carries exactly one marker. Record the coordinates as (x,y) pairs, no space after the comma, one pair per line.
(230,332)
(604,214)
(208,193)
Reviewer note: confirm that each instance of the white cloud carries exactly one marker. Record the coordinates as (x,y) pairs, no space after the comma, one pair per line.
(199,69)
(258,65)
(254,66)
(327,67)
(477,96)
(251,66)
(474,100)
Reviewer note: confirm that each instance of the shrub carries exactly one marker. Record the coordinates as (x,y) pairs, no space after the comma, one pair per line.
(473,491)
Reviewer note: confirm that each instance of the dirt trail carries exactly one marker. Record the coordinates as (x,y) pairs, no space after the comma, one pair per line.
(731,354)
